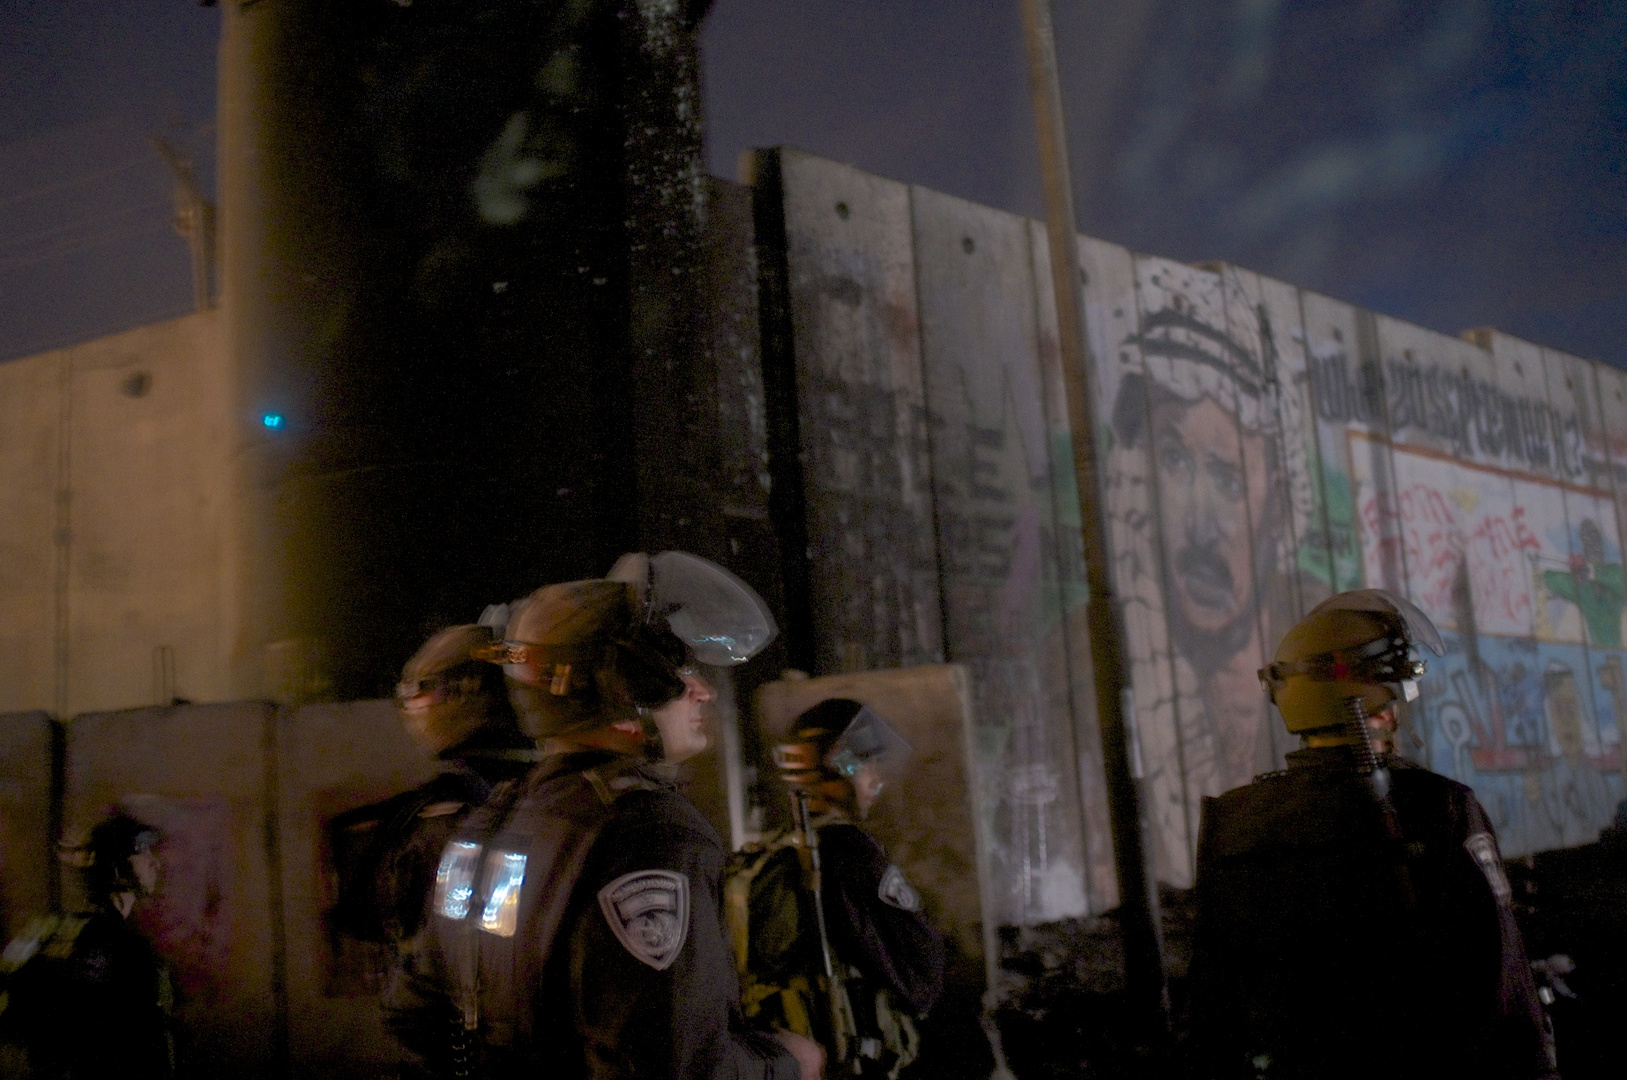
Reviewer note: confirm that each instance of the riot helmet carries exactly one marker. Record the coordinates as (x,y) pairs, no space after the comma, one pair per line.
(586,654)
(1356,646)
(719,618)
(843,753)
(116,857)
(448,692)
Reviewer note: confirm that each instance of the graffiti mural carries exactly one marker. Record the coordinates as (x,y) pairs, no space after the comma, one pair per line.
(1263,447)
(1257,463)
(1201,428)
(1478,509)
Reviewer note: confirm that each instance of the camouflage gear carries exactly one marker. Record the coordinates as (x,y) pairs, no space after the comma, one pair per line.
(889,959)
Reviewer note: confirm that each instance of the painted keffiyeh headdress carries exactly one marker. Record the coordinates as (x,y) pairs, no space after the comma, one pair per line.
(1200,335)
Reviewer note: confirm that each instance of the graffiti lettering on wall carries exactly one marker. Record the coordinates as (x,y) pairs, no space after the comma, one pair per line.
(1473,415)
(1525,575)
(1539,559)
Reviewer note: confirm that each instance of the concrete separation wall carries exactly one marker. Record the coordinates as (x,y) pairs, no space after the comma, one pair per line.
(204,775)
(112,504)
(333,758)
(243,793)
(1264,447)
(27,847)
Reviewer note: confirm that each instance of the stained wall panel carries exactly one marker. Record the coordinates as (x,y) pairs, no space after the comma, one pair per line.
(1073,589)
(1297,476)
(1198,424)
(1348,395)
(992,457)
(333,758)
(27,849)
(1608,389)
(202,775)
(862,416)
(1275,451)
(1126,393)
(1585,742)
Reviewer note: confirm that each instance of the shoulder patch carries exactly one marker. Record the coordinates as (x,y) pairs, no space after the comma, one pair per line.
(1483,848)
(896,890)
(648,911)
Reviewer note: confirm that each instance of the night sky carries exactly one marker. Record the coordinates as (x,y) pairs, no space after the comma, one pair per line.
(1457,163)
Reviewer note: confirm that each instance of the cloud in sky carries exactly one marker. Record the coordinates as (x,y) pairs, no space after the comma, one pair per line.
(1457,163)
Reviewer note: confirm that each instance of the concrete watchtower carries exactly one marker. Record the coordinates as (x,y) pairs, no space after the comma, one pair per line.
(457,253)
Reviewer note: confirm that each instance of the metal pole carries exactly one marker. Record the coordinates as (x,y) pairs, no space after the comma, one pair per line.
(193,219)
(1138,910)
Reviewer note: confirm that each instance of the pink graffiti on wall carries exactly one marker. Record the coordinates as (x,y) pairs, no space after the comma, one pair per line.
(1432,530)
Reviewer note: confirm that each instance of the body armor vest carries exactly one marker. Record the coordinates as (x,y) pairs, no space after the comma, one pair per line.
(502,890)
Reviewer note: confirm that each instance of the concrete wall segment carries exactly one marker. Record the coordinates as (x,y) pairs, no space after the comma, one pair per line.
(862,417)
(27,847)
(1004,608)
(149,485)
(200,774)
(1070,643)
(116,484)
(30,444)
(1131,494)
(332,758)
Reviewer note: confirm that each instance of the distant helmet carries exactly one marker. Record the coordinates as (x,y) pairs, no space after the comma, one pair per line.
(1357,644)
(831,743)
(104,858)
(448,691)
(584,654)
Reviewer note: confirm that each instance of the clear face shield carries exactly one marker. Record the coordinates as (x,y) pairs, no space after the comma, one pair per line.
(1417,628)
(870,755)
(719,617)
(1386,660)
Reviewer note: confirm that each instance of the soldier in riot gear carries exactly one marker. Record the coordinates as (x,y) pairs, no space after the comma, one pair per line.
(575,921)
(454,704)
(829,935)
(1353,914)
(85,993)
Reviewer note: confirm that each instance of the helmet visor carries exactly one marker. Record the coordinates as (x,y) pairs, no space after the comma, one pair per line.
(869,741)
(1419,629)
(720,617)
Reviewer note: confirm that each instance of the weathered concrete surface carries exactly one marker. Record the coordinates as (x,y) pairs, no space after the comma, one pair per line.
(112,491)
(333,758)
(203,775)
(861,400)
(27,855)
(30,404)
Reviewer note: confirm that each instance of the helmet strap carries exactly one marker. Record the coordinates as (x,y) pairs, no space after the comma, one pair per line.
(655,749)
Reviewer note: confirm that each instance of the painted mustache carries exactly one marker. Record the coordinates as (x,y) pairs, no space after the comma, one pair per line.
(1206,577)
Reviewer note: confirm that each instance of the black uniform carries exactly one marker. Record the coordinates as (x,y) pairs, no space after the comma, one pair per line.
(93,1001)
(385,853)
(888,956)
(1333,939)
(576,931)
